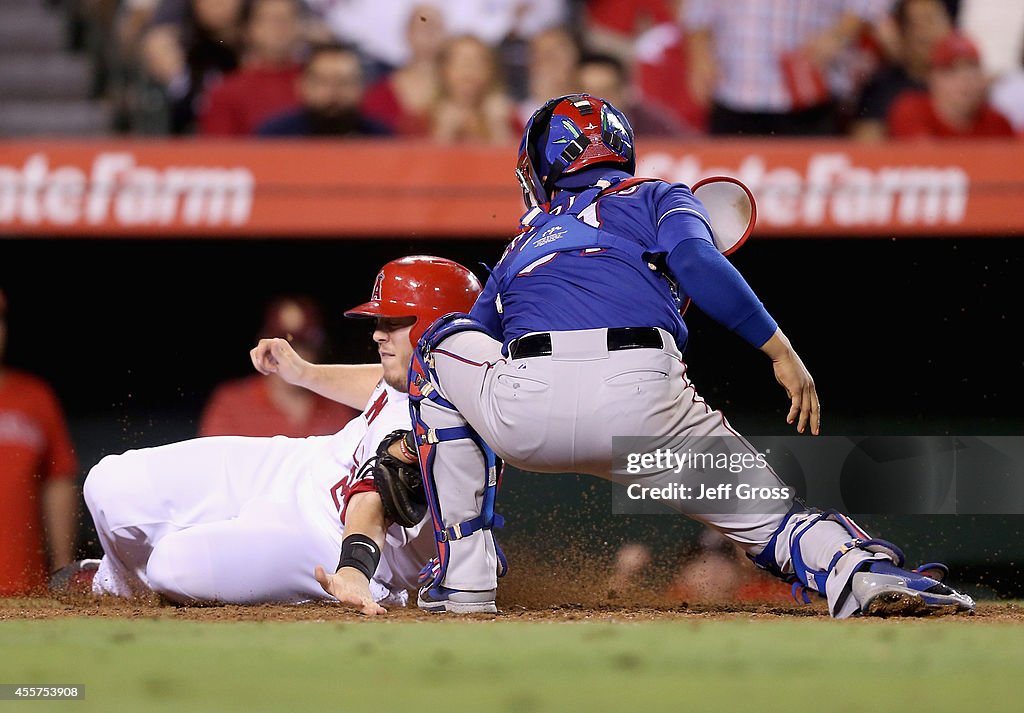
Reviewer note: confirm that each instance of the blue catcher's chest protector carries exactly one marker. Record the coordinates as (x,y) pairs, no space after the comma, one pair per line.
(549,234)
(571,232)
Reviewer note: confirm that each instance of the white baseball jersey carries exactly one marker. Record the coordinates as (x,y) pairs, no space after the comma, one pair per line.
(245,520)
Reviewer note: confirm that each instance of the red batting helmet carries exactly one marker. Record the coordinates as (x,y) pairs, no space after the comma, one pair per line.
(420,286)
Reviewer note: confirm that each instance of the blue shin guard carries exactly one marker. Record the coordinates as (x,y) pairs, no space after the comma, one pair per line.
(424,396)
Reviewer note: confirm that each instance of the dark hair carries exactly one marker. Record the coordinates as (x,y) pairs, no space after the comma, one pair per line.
(899,11)
(249,9)
(607,60)
(331,48)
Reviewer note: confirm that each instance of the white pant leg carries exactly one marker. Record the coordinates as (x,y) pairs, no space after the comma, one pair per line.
(630,399)
(560,413)
(509,408)
(142,495)
(265,555)
(646,393)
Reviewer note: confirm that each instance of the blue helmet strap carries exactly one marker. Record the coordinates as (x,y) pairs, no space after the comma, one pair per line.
(572,151)
(612,140)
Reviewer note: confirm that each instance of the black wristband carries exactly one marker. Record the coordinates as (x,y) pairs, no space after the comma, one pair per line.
(359,552)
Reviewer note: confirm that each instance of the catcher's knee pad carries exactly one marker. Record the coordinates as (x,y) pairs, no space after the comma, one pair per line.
(809,549)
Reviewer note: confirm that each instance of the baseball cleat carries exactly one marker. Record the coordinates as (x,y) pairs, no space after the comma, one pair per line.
(440,599)
(882,589)
(75,578)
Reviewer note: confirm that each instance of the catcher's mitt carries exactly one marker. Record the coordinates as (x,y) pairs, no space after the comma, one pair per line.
(398,483)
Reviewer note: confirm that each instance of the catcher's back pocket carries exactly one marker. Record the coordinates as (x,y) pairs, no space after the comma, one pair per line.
(636,376)
(512,384)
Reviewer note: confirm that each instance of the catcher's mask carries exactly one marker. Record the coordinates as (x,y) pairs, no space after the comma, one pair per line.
(566,135)
(420,286)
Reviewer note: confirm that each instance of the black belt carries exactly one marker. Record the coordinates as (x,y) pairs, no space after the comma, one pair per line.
(619,338)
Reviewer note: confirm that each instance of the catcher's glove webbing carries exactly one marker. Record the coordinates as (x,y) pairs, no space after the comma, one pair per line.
(398,483)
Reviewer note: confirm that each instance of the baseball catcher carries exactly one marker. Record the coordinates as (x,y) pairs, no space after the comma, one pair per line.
(578,338)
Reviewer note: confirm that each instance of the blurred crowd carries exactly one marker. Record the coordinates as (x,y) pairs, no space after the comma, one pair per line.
(474,70)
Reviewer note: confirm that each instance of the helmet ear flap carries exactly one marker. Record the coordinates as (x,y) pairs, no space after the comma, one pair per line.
(538,128)
(613,139)
(533,150)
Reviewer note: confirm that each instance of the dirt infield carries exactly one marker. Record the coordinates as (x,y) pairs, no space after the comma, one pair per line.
(47,608)
(571,589)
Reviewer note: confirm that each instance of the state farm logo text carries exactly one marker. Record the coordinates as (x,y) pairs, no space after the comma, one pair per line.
(115,189)
(832,189)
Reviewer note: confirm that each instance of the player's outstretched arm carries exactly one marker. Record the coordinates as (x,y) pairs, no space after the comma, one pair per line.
(350,384)
(719,290)
(796,380)
(365,526)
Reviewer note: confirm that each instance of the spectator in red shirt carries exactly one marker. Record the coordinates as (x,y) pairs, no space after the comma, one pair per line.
(38,493)
(661,69)
(955,105)
(266,84)
(331,90)
(403,99)
(612,26)
(920,26)
(269,406)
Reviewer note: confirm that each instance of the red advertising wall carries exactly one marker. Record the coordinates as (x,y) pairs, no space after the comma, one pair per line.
(394,188)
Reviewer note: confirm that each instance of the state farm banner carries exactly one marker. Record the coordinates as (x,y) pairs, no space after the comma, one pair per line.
(254,189)
(392,188)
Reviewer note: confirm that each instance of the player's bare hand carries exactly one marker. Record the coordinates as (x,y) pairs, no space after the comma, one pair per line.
(277,356)
(350,587)
(790,372)
(804,408)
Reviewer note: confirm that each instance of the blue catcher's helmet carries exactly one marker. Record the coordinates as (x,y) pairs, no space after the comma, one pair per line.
(566,135)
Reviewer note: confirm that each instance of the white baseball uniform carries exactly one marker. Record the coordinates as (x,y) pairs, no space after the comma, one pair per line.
(246,520)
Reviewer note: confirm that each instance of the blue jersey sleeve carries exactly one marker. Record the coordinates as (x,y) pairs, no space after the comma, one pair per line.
(703,273)
(485,309)
(718,289)
(679,216)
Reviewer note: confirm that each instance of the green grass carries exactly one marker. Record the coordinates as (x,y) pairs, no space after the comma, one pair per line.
(477,666)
